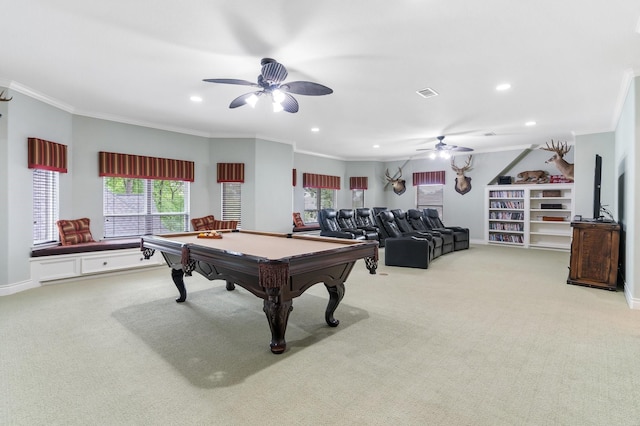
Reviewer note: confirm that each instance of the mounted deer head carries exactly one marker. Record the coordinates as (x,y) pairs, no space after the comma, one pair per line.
(3,99)
(560,150)
(463,183)
(397,183)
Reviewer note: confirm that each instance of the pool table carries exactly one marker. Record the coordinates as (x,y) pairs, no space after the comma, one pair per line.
(273,266)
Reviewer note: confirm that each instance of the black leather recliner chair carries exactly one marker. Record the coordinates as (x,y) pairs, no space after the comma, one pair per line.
(406,228)
(417,222)
(365,222)
(329,227)
(393,242)
(409,252)
(460,235)
(346,220)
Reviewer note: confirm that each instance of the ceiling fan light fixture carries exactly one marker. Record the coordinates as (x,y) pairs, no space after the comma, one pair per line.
(432,156)
(277,107)
(445,155)
(278,96)
(252,100)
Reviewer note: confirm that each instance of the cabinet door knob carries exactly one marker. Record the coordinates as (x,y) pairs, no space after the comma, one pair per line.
(104,263)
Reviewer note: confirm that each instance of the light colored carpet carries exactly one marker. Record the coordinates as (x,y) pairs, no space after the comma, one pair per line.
(486,336)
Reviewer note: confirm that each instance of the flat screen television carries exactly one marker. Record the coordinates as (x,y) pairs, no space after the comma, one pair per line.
(597,182)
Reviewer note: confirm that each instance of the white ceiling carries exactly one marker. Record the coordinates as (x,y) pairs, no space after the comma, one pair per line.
(139,61)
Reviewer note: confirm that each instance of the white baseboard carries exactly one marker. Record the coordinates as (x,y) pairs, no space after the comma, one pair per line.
(6,290)
(633,303)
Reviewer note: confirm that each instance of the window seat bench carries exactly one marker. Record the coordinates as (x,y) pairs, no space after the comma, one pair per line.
(84,259)
(306,228)
(103,245)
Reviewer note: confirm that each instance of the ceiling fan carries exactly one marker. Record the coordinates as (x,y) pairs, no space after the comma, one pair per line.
(270,82)
(444,149)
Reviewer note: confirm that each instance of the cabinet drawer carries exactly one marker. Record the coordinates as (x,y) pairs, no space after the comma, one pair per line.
(56,269)
(115,261)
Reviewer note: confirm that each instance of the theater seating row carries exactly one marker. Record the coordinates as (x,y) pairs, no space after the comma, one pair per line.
(413,238)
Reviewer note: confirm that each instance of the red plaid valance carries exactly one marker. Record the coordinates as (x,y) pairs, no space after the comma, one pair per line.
(141,167)
(230,172)
(47,155)
(428,178)
(310,180)
(295,177)
(358,182)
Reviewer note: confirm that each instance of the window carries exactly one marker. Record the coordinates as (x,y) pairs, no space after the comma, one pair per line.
(316,199)
(45,206)
(357,198)
(232,201)
(430,197)
(135,207)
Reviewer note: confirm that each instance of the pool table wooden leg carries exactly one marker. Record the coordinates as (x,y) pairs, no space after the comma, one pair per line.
(336,293)
(177,275)
(277,311)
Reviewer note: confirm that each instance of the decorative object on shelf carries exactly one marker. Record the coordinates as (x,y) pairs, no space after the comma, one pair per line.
(504,180)
(533,176)
(560,149)
(270,82)
(397,184)
(463,183)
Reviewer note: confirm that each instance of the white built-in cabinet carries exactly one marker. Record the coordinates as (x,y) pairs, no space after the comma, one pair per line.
(536,216)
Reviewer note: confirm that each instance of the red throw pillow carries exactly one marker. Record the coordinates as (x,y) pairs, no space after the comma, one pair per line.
(75,231)
(205,223)
(297,220)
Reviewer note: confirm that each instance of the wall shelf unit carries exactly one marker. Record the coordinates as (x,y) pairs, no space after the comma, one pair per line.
(537,215)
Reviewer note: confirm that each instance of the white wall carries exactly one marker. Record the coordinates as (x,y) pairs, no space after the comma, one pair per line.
(92,135)
(232,151)
(27,118)
(626,158)
(274,190)
(304,163)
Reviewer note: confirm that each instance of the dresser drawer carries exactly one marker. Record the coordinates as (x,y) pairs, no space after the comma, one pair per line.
(112,261)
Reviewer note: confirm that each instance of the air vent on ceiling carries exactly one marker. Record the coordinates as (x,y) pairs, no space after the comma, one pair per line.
(427,93)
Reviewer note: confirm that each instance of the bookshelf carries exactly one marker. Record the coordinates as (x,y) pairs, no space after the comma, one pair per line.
(532,216)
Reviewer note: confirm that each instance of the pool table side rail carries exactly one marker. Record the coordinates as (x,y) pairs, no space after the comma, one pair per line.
(297,264)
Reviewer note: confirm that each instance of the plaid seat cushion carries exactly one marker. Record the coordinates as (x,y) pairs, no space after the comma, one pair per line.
(75,231)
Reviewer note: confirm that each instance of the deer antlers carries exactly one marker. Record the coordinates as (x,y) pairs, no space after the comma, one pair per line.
(3,99)
(560,148)
(392,179)
(467,165)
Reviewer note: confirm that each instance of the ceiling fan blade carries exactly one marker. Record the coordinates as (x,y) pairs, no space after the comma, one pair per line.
(230,81)
(289,103)
(462,149)
(272,71)
(306,88)
(242,99)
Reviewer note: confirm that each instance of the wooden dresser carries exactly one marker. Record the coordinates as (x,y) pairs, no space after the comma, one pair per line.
(594,254)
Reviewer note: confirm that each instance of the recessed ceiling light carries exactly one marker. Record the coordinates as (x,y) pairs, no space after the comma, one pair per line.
(196,99)
(376,146)
(315,129)
(530,123)
(503,86)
